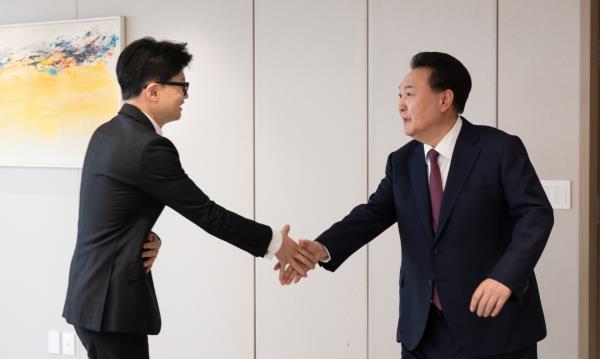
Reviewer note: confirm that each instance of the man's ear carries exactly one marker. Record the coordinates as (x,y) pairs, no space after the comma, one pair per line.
(446,100)
(150,92)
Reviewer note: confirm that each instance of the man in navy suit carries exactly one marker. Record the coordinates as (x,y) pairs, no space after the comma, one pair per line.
(473,221)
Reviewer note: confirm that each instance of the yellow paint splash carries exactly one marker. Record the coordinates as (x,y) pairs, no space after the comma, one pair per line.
(74,102)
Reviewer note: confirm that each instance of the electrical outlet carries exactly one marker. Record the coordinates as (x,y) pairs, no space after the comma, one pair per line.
(559,193)
(53,342)
(68,343)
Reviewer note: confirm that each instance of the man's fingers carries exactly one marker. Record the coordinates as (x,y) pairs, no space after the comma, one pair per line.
(287,273)
(291,275)
(150,250)
(475,299)
(480,305)
(282,269)
(489,307)
(149,254)
(148,265)
(293,278)
(285,230)
(483,303)
(304,260)
(302,250)
(152,245)
(489,298)
(297,267)
(498,307)
(297,278)
(277,266)
(281,273)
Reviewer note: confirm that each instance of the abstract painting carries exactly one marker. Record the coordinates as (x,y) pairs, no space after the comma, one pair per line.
(57,85)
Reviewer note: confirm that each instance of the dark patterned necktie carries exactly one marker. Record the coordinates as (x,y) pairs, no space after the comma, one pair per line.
(435,195)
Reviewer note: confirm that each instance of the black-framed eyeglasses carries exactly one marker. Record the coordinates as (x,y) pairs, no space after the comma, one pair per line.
(183,85)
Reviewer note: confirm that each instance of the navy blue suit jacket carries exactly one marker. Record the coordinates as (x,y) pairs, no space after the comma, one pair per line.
(494,222)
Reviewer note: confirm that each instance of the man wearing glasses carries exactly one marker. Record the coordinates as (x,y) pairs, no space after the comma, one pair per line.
(129,174)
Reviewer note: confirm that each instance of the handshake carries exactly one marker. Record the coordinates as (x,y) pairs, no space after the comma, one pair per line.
(296,259)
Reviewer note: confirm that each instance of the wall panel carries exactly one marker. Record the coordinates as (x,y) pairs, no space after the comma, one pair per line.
(38,229)
(311,168)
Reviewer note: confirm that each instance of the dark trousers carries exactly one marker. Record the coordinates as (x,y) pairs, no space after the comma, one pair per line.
(438,343)
(104,345)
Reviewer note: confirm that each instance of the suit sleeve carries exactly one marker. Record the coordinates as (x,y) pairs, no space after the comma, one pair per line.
(362,224)
(532,219)
(163,178)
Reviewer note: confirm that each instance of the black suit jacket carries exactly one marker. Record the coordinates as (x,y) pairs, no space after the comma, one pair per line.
(130,173)
(494,222)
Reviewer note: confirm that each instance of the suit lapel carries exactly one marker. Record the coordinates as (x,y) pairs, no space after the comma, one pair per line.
(463,159)
(418,178)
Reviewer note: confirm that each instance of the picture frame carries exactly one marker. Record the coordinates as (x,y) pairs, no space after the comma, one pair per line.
(57,85)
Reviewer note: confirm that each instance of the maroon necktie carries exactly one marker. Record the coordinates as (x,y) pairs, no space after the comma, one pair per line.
(435,195)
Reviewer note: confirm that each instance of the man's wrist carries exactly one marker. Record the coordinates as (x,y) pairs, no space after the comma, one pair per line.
(275,244)
(325,257)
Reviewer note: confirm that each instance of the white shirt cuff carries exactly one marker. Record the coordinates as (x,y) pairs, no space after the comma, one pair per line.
(275,245)
(328,259)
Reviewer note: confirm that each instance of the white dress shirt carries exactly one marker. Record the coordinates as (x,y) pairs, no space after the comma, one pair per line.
(276,238)
(445,148)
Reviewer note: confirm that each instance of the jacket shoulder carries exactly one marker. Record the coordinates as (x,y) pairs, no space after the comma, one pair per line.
(127,131)
(490,134)
(405,152)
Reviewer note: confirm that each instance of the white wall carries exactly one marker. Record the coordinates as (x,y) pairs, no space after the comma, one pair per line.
(311,168)
(297,118)
(38,219)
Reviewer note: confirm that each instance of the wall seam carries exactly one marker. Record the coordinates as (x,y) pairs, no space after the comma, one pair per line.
(497,62)
(254,167)
(367,110)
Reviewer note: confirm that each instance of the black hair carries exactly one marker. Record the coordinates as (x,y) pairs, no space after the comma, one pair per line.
(146,60)
(446,73)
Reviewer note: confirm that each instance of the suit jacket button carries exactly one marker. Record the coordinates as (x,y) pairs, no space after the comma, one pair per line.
(430,282)
(526,286)
(434,251)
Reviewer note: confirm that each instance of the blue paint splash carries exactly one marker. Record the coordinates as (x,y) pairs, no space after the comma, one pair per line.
(52,57)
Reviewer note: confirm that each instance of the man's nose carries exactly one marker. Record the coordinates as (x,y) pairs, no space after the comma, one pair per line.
(401,105)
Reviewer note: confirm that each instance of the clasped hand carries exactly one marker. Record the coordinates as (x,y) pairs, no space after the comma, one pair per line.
(295,260)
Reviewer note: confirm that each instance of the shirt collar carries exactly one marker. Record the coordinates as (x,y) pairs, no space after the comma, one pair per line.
(446,146)
(156,127)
